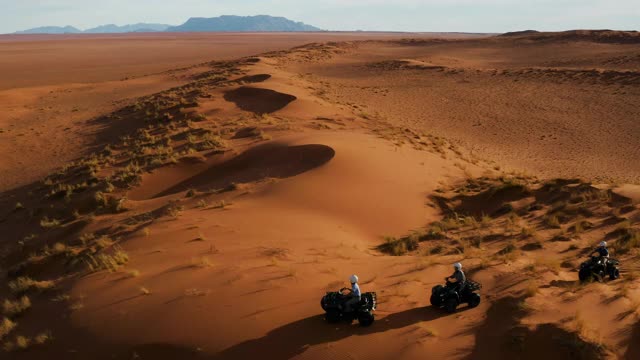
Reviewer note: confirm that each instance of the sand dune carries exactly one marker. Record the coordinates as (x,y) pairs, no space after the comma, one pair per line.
(208,208)
(552,109)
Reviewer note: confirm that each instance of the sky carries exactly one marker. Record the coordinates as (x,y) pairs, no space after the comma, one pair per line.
(379,15)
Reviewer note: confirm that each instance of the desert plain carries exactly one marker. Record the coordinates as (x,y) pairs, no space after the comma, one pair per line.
(193,196)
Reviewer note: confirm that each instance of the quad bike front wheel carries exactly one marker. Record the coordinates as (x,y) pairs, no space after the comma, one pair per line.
(474,300)
(435,299)
(614,274)
(584,275)
(450,305)
(366,318)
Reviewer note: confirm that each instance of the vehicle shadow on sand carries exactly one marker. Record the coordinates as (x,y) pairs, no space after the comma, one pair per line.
(295,338)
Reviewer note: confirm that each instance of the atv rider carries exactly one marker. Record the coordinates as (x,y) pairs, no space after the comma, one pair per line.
(457,280)
(354,294)
(602,253)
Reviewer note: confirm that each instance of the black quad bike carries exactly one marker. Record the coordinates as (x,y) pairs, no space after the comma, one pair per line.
(594,268)
(449,297)
(333,303)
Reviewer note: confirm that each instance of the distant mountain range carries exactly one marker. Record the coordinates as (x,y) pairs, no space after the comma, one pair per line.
(51,30)
(242,23)
(225,23)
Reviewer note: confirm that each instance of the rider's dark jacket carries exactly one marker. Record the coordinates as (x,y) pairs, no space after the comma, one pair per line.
(459,275)
(602,251)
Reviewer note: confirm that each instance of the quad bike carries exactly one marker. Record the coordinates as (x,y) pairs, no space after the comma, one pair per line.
(333,303)
(595,268)
(450,298)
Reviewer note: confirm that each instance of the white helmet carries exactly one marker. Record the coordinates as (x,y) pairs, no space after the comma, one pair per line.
(354,279)
(457,266)
(603,244)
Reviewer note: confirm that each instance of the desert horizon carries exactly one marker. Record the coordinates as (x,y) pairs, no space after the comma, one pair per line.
(195,195)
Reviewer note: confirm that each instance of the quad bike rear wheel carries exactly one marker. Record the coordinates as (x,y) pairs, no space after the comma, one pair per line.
(474,300)
(366,318)
(450,305)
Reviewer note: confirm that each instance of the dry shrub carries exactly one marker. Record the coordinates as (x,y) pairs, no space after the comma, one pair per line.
(111,262)
(25,284)
(43,338)
(47,223)
(15,308)
(550,264)
(133,273)
(511,247)
(629,240)
(21,343)
(6,326)
(532,288)
(398,247)
(552,221)
(201,262)
(527,232)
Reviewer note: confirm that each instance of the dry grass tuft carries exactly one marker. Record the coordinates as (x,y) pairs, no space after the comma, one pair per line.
(6,326)
(398,247)
(196,292)
(629,240)
(47,223)
(552,221)
(133,273)
(24,284)
(201,262)
(550,264)
(532,289)
(43,338)
(21,343)
(111,262)
(15,308)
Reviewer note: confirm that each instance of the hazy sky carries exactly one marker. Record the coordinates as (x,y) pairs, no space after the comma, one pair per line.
(398,15)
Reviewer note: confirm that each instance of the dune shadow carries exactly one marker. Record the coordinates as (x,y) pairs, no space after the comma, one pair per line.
(265,161)
(633,351)
(257,100)
(502,336)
